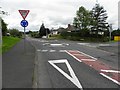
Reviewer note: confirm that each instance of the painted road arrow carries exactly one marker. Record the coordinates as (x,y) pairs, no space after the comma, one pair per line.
(73,77)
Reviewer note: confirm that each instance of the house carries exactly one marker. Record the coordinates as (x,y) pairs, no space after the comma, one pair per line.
(70,28)
(54,31)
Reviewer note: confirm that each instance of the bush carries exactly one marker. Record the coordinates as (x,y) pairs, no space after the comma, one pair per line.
(15,33)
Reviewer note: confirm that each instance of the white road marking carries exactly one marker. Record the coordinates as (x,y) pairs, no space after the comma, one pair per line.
(73,79)
(61,50)
(65,44)
(88,60)
(73,56)
(56,45)
(38,50)
(44,50)
(87,44)
(56,40)
(43,41)
(104,44)
(88,55)
(52,51)
(83,43)
(73,50)
(115,81)
(114,71)
(46,44)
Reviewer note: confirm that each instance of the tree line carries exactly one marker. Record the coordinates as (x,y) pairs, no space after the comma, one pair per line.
(90,24)
(10,32)
(93,21)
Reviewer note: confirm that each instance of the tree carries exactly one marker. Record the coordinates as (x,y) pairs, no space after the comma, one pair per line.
(116,32)
(15,33)
(82,19)
(4,28)
(42,30)
(98,19)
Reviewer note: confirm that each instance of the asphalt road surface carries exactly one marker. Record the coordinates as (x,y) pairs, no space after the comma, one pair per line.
(70,64)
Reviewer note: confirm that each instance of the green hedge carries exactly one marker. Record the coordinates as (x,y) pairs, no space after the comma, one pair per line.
(77,37)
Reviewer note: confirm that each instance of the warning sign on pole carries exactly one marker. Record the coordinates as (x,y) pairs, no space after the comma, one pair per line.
(24,13)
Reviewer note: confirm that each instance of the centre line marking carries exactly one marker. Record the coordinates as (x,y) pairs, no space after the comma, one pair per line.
(61,50)
(52,51)
(44,50)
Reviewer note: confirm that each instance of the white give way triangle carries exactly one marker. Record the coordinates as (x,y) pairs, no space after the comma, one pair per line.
(73,77)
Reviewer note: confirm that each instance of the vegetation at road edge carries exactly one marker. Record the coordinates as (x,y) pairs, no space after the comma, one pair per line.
(8,42)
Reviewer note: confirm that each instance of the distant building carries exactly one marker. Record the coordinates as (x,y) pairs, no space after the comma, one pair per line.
(70,28)
(119,14)
(54,32)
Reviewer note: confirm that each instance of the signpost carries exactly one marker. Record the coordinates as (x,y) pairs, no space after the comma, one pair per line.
(24,13)
(24,23)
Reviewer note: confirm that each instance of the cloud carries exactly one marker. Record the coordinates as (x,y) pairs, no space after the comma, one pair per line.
(54,13)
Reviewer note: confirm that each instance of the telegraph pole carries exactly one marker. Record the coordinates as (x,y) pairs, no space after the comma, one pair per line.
(110,31)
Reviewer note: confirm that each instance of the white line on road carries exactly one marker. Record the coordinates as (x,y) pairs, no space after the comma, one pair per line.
(61,50)
(104,44)
(38,50)
(44,50)
(88,60)
(56,45)
(73,56)
(46,44)
(52,51)
(73,79)
(88,55)
(114,71)
(65,44)
(115,81)
(83,43)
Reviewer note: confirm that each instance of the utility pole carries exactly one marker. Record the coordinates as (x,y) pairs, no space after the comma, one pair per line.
(110,31)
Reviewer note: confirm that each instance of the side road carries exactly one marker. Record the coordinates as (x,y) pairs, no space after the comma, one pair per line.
(18,66)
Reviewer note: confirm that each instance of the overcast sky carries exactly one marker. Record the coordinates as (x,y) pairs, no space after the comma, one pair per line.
(54,13)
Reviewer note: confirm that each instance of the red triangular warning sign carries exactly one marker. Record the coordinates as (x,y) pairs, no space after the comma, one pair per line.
(24,13)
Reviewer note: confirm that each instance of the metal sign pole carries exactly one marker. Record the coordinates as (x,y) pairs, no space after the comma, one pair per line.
(24,41)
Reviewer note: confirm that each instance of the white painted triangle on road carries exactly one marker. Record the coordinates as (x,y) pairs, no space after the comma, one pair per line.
(73,77)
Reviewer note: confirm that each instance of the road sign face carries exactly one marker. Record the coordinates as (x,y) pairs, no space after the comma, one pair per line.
(24,23)
(24,13)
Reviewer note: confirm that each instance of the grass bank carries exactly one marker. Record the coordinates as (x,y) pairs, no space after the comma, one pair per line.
(8,42)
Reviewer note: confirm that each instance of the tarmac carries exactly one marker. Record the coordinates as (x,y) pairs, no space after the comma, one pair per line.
(18,66)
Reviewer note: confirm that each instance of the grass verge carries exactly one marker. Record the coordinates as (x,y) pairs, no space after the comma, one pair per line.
(8,42)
